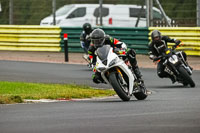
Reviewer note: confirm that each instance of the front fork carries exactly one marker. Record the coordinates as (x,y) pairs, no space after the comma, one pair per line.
(184,63)
(124,84)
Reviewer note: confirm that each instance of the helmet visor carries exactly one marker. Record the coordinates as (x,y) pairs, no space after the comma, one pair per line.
(88,30)
(98,42)
(156,38)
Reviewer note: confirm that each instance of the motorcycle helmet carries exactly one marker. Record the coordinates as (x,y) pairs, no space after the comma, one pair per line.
(87,28)
(97,37)
(156,36)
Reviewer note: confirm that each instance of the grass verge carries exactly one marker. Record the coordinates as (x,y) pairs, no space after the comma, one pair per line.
(16,92)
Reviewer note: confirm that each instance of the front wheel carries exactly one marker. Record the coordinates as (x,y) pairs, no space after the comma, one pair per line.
(186,77)
(120,89)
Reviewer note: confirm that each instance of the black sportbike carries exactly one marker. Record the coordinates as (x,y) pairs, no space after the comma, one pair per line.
(175,64)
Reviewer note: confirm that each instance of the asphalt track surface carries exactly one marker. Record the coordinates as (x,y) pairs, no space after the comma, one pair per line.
(171,108)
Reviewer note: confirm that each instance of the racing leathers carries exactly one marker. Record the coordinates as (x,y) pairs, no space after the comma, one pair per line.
(117,45)
(85,41)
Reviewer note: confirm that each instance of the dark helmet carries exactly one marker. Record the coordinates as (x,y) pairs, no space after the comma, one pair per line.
(87,28)
(156,34)
(97,37)
(156,38)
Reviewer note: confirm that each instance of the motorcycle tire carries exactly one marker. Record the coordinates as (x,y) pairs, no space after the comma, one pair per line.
(187,79)
(114,81)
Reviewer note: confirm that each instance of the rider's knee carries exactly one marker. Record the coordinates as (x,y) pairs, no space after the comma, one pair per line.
(131,53)
(132,56)
(161,74)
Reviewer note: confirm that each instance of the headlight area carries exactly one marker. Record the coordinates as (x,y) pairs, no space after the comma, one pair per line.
(105,62)
(114,61)
(173,59)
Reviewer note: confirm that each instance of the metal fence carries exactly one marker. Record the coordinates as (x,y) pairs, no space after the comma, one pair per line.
(31,12)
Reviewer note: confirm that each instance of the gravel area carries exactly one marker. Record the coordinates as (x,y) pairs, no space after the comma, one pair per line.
(76,58)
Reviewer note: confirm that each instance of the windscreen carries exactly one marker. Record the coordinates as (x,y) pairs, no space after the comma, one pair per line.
(63,10)
(102,52)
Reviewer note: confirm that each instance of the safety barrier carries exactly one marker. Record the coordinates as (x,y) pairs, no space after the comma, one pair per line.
(136,38)
(73,39)
(190,36)
(30,38)
(50,38)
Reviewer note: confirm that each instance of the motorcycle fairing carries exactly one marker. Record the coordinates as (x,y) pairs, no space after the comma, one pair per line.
(102,54)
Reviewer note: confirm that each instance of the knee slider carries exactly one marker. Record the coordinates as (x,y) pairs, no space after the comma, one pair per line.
(160,74)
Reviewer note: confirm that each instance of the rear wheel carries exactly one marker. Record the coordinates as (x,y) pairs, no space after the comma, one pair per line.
(186,77)
(140,93)
(118,86)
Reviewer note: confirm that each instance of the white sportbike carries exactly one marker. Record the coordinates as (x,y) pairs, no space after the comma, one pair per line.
(116,72)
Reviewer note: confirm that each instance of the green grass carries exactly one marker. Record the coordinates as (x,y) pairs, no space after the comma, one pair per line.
(16,92)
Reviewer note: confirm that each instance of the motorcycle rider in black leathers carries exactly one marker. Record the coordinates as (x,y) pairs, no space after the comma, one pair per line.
(99,38)
(85,40)
(157,47)
(84,37)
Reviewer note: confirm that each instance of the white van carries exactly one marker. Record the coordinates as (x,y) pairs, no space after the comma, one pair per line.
(113,15)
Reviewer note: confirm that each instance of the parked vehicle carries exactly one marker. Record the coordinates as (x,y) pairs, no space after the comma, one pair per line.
(113,15)
(176,65)
(115,71)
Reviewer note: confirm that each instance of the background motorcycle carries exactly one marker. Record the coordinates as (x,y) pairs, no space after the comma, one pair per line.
(118,74)
(176,65)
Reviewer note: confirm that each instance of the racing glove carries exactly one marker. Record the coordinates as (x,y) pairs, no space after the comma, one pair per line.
(177,42)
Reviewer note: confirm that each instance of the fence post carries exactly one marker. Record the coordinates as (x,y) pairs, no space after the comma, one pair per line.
(11,12)
(198,12)
(54,11)
(65,35)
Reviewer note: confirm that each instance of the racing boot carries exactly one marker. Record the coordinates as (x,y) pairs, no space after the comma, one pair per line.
(131,54)
(140,81)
